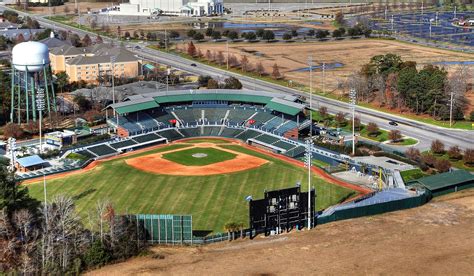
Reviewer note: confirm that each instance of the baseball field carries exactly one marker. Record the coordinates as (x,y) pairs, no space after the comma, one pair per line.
(208,179)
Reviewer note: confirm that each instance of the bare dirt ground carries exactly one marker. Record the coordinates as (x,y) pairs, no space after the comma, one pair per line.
(435,239)
(155,163)
(351,53)
(69,7)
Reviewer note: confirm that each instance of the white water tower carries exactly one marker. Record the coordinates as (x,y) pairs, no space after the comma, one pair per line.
(30,71)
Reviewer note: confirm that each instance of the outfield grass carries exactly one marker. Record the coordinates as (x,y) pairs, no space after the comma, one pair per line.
(185,157)
(212,200)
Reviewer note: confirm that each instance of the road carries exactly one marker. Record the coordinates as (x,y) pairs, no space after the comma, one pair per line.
(425,133)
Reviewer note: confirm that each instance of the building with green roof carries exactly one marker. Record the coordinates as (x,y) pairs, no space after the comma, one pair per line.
(445,183)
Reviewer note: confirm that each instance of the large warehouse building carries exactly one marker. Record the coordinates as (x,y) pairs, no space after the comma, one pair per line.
(171,7)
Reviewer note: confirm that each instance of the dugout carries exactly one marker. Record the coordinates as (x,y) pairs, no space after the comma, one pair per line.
(445,183)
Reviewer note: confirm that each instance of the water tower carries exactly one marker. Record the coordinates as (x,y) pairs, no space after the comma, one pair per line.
(30,72)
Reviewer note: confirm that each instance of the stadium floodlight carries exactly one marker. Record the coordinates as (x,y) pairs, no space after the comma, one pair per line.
(353,98)
(40,105)
(310,64)
(12,148)
(112,63)
(308,162)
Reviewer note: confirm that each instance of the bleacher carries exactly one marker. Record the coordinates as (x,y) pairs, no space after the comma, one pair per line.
(215,114)
(191,132)
(284,145)
(299,150)
(261,117)
(267,139)
(102,150)
(287,126)
(190,115)
(146,138)
(248,134)
(230,132)
(122,144)
(238,116)
(170,134)
(86,153)
(162,117)
(147,121)
(211,131)
(273,123)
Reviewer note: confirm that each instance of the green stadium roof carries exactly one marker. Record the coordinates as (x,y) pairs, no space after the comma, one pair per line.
(212,97)
(135,105)
(285,106)
(443,180)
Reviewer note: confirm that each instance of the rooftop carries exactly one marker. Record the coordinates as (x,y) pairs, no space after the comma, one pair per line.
(33,160)
(443,180)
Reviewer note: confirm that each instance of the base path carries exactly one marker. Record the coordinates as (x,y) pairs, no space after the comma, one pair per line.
(155,163)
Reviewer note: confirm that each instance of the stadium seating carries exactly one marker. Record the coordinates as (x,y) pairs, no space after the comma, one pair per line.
(146,138)
(191,132)
(284,145)
(261,117)
(102,150)
(123,144)
(215,114)
(297,151)
(248,134)
(287,126)
(238,116)
(267,139)
(230,132)
(273,123)
(170,134)
(86,153)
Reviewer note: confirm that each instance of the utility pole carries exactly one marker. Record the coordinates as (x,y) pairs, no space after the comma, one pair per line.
(310,63)
(430,27)
(168,72)
(227,50)
(112,63)
(324,74)
(451,109)
(353,97)
(166,40)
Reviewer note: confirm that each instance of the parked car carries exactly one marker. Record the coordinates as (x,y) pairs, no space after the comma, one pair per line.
(393,123)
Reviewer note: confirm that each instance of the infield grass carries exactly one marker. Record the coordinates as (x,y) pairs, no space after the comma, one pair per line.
(211,200)
(185,157)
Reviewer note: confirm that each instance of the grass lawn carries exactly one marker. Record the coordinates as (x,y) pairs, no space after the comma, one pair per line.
(405,142)
(412,174)
(185,157)
(212,200)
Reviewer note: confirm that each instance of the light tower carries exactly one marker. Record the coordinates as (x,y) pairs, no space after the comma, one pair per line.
(30,71)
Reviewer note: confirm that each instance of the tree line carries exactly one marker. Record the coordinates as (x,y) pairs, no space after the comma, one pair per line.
(397,84)
(51,238)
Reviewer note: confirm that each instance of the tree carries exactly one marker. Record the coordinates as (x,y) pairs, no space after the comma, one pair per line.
(191,33)
(395,135)
(251,36)
(321,34)
(62,79)
(198,36)
(233,35)
(126,35)
(209,32)
(12,195)
(311,32)
(268,35)
(98,40)
(19,39)
(96,255)
(357,124)
(469,157)
(413,154)
(429,159)
(339,18)
(191,49)
(75,40)
(323,112)
(260,69)
(212,84)
(220,58)
(373,129)
(454,152)
(260,33)
(437,147)
(173,34)
(244,63)
(471,116)
(442,165)
(83,103)
(216,35)
(340,118)
(208,55)
(86,41)
(276,72)
(12,130)
(287,36)
(204,80)
(232,83)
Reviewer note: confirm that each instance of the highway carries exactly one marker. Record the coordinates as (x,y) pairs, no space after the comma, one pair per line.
(425,133)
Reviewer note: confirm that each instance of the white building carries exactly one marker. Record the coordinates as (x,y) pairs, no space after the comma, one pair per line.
(171,7)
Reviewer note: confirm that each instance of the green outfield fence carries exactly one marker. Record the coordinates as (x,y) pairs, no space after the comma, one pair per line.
(165,229)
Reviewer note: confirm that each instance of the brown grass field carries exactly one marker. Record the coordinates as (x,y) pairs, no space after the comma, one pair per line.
(82,6)
(435,239)
(352,53)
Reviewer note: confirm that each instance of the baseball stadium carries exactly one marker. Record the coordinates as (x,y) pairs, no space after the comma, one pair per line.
(200,153)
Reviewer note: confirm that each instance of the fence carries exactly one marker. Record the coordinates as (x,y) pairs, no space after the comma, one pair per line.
(375,209)
(165,229)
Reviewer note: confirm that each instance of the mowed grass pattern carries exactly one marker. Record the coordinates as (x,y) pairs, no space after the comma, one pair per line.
(212,200)
(185,156)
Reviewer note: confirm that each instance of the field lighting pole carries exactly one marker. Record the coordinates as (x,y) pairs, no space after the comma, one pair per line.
(227,50)
(353,96)
(310,64)
(112,63)
(324,74)
(451,109)
(40,107)
(308,156)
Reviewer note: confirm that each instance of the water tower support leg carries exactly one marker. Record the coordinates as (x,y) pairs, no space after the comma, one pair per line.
(33,98)
(27,109)
(19,98)
(52,88)
(48,100)
(12,91)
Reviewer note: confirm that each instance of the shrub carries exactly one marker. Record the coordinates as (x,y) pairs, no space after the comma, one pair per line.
(373,129)
(469,157)
(413,154)
(96,255)
(437,147)
(454,153)
(442,165)
(429,159)
(394,135)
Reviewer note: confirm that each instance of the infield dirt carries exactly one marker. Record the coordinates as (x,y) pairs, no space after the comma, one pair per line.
(435,239)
